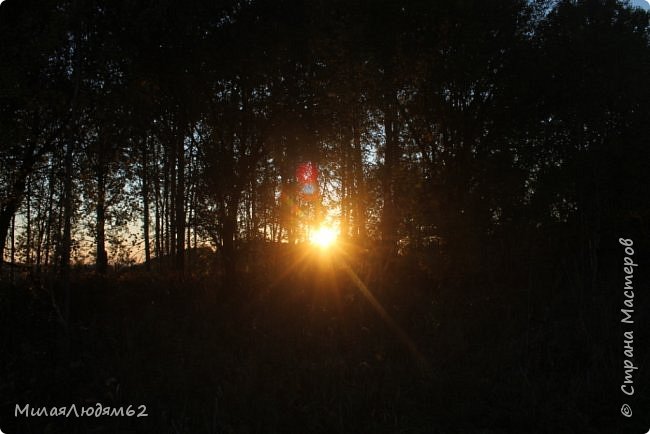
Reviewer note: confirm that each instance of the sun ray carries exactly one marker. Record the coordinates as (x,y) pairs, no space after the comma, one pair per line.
(401,334)
(299,260)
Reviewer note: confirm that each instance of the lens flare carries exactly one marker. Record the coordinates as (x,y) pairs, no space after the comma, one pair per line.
(323,237)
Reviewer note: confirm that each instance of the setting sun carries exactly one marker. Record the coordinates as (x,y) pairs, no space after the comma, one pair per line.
(323,237)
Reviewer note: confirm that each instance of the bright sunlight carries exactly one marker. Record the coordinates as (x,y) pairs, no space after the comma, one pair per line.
(323,237)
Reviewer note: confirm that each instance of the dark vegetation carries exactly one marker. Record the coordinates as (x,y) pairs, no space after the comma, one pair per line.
(480,159)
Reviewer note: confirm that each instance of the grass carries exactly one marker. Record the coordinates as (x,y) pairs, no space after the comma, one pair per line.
(305,353)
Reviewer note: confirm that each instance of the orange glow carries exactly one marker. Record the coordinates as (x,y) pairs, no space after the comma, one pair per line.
(324,237)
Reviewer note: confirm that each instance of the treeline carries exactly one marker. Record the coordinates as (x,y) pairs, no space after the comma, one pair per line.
(488,131)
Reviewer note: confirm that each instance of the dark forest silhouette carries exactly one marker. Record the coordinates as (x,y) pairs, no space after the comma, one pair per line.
(483,159)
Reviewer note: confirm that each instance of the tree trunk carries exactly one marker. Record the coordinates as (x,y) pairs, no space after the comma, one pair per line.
(66,242)
(12,204)
(13,247)
(157,203)
(228,251)
(102,256)
(171,210)
(50,210)
(359,198)
(180,205)
(391,155)
(40,226)
(346,187)
(6,217)
(228,235)
(145,207)
(28,244)
(165,204)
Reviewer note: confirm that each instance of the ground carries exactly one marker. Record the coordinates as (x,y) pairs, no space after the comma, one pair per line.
(302,351)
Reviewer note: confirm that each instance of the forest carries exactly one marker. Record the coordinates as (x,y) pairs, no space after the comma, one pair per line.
(327,216)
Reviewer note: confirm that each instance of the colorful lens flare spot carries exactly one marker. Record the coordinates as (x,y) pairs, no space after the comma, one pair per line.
(306,173)
(308,189)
